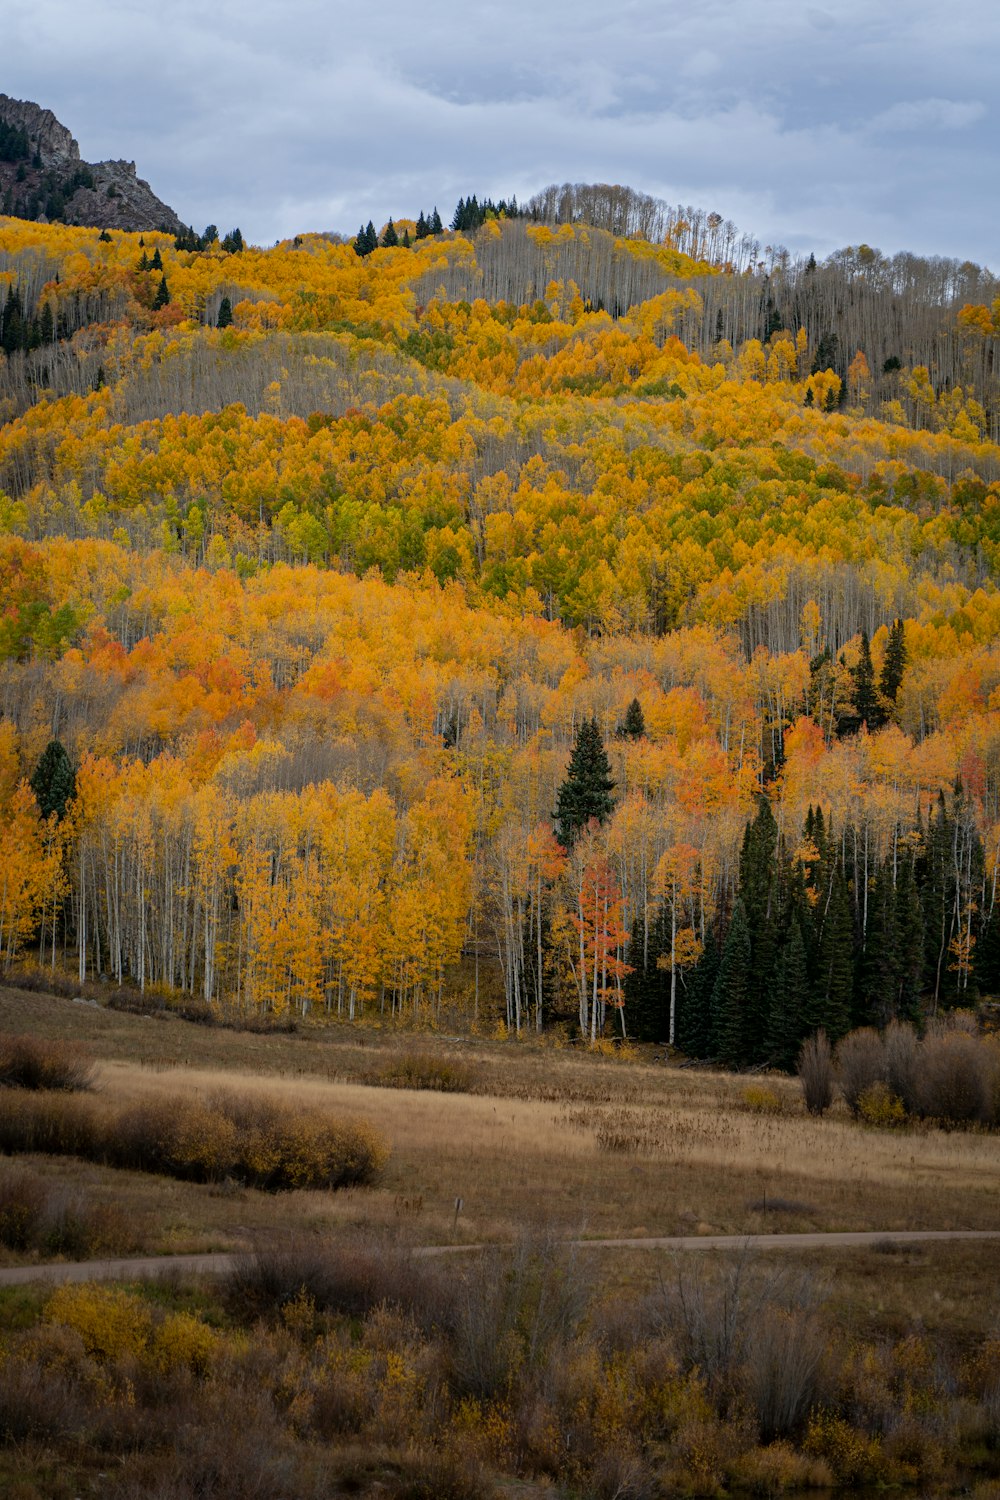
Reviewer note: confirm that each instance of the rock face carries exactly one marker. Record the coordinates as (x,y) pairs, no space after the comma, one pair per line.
(43,177)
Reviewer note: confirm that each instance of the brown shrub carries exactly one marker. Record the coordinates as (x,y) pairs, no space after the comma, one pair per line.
(815,1069)
(350,1276)
(258,1142)
(860,1061)
(422,1070)
(955,1081)
(28,1062)
(902,1063)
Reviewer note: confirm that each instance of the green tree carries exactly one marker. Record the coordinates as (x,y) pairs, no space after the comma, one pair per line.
(894,664)
(866,705)
(225,317)
(729,996)
(586,791)
(162,295)
(633,726)
(694,1007)
(53,780)
(790,1004)
(390,239)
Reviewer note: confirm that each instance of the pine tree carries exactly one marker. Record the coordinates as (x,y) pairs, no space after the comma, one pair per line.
(633,726)
(729,995)
(790,1005)
(53,781)
(405,241)
(436,226)
(694,1007)
(866,704)
(894,664)
(390,238)
(162,295)
(423,228)
(156,264)
(586,791)
(225,317)
(833,988)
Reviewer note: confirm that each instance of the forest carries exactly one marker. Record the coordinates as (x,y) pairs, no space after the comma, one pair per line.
(579,617)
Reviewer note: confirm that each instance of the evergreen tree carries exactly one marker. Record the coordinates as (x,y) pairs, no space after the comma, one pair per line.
(104,236)
(586,791)
(894,665)
(436,226)
(143,262)
(405,241)
(390,239)
(156,264)
(909,943)
(647,987)
(790,1004)
(866,704)
(225,317)
(233,242)
(833,987)
(53,781)
(633,726)
(694,1003)
(162,295)
(423,228)
(367,240)
(879,970)
(730,992)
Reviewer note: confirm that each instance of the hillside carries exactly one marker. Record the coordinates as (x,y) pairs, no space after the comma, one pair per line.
(316,561)
(42,177)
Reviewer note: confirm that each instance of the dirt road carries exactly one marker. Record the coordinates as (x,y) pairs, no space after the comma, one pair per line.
(218,1264)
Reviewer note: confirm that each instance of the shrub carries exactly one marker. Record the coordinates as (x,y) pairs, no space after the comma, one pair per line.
(878,1105)
(902,1063)
(422,1070)
(111,1321)
(783,1364)
(759,1099)
(815,1068)
(28,1062)
(255,1141)
(955,1081)
(860,1064)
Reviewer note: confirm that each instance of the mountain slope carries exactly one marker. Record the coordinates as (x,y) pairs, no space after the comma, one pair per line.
(43,178)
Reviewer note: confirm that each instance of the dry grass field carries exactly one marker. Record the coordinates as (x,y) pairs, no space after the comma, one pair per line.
(529,1134)
(901,1341)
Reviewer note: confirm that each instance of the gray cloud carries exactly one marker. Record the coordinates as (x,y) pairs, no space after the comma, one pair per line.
(811,126)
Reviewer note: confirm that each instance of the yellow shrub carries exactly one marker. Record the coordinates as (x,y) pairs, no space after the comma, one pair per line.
(184,1341)
(853,1457)
(771,1470)
(110,1321)
(877,1105)
(761,1100)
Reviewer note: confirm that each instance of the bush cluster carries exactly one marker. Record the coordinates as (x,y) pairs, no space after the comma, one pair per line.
(357,1368)
(951,1074)
(251,1140)
(37,1216)
(423,1070)
(28,1062)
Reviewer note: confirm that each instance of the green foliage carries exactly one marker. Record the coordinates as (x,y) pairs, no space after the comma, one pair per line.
(53,781)
(586,791)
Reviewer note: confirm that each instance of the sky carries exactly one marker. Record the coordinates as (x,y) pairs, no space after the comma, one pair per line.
(810,125)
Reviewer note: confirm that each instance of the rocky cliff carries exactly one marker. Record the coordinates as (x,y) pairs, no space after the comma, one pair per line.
(43,177)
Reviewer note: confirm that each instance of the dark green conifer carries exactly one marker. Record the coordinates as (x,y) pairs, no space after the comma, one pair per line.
(833,987)
(866,705)
(225,317)
(790,1002)
(53,781)
(156,264)
(436,226)
(586,791)
(162,296)
(730,993)
(390,239)
(694,1001)
(894,664)
(423,229)
(633,726)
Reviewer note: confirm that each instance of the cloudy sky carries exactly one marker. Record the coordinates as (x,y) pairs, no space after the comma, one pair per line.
(812,125)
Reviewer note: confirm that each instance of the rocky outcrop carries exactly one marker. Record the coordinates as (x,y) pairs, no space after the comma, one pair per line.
(42,176)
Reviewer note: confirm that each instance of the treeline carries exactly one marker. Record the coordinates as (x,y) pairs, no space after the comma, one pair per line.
(825,935)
